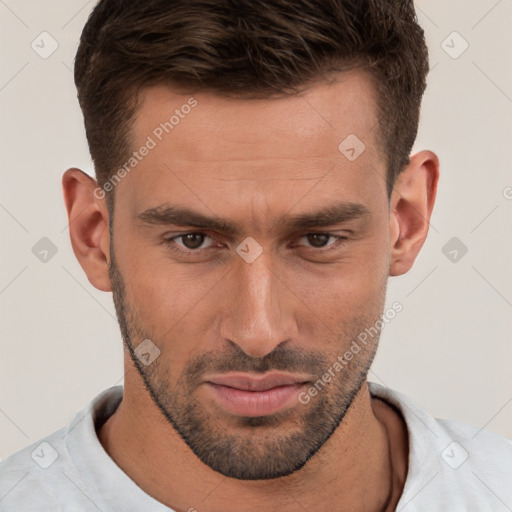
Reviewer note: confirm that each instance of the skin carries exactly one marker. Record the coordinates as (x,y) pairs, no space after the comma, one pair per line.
(256,162)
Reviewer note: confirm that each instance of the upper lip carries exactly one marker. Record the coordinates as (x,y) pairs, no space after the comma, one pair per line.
(248,382)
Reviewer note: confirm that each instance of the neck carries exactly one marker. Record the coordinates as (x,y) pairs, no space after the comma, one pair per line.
(354,469)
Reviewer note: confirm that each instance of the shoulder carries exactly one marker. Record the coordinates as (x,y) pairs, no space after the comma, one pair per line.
(32,478)
(51,474)
(451,463)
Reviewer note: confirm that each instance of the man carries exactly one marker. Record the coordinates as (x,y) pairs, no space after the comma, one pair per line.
(254,191)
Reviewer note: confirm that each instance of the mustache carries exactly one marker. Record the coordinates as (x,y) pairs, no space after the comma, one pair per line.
(235,359)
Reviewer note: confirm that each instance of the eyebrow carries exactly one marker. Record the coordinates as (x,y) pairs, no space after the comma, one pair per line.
(182,216)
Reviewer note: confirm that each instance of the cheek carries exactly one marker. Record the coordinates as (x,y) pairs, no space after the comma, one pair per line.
(356,282)
(154,297)
(169,302)
(169,299)
(161,299)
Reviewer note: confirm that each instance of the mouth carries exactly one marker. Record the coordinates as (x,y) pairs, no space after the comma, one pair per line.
(252,395)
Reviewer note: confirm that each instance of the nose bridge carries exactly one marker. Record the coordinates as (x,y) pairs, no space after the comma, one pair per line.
(257,322)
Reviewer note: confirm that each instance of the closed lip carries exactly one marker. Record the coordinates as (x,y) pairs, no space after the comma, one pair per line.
(255,382)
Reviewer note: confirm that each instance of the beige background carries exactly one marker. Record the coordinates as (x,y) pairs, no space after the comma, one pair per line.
(450,348)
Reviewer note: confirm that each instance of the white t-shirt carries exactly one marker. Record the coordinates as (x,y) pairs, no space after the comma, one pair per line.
(452,467)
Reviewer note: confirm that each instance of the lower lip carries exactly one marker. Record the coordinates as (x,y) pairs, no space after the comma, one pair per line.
(256,403)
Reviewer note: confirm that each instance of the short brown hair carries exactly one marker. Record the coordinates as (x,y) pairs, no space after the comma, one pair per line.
(246,49)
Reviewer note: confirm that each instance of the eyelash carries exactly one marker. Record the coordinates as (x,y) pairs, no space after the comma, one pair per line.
(170,242)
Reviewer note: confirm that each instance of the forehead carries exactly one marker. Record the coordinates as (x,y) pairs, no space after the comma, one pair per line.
(320,113)
(204,143)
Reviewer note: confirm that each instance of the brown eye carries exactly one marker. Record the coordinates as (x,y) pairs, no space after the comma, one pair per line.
(191,244)
(318,239)
(192,240)
(322,242)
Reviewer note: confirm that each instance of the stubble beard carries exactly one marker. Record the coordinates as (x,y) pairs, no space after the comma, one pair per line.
(248,448)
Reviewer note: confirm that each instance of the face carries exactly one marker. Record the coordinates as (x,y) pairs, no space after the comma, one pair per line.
(248,253)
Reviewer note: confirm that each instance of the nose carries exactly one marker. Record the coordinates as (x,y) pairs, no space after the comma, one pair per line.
(260,316)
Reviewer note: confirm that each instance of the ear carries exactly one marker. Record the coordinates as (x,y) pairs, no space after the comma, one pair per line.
(411,207)
(88,226)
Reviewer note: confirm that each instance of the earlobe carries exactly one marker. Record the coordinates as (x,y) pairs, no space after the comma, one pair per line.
(88,226)
(411,208)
